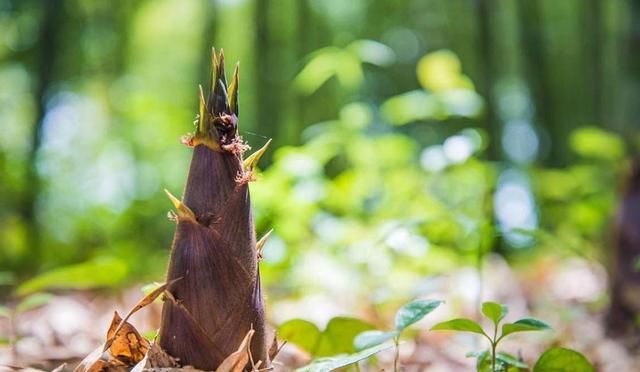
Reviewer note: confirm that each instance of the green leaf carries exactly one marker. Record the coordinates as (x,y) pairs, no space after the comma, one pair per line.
(101,272)
(33,301)
(413,312)
(559,359)
(411,106)
(524,325)
(483,362)
(300,332)
(477,354)
(593,142)
(4,311)
(320,68)
(372,52)
(494,311)
(332,363)
(463,325)
(368,339)
(337,338)
(442,71)
(510,360)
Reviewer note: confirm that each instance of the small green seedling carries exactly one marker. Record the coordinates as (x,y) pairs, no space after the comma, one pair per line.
(27,303)
(405,316)
(494,312)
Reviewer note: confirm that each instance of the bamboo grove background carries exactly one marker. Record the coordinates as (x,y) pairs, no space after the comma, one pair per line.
(95,94)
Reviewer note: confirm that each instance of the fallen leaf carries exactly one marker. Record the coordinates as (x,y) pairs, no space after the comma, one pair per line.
(239,358)
(126,350)
(146,300)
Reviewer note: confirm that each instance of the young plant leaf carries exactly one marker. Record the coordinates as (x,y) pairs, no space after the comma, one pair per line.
(368,339)
(100,272)
(494,311)
(33,301)
(413,312)
(4,311)
(337,338)
(477,354)
(463,325)
(524,325)
(559,359)
(333,363)
(482,360)
(300,332)
(510,360)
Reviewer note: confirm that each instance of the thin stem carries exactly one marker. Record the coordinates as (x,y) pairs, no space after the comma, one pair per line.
(396,340)
(494,343)
(493,356)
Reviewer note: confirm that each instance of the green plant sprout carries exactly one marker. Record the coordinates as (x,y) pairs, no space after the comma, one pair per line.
(25,304)
(554,359)
(494,312)
(405,316)
(371,342)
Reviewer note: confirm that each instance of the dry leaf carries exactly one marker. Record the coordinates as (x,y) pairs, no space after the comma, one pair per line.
(96,361)
(239,358)
(146,300)
(127,348)
(157,358)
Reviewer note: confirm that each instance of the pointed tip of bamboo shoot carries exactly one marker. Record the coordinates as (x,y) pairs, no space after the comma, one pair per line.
(221,75)
(233,90)
(181,209)
(202,112)
(214,70)
(250,163)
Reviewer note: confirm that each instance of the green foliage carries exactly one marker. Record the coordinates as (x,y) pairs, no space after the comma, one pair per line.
(492,360)
(361,192)
(406,315)
(100,272)
(301,333)
(442,71)
(343,63)
(559,359)
(593,142)
(332,363)
(462,325)
(367,339)
(413,312)
(336,338)
(504,362)
(524,325)
(494,311)
(33,301)
(552,360)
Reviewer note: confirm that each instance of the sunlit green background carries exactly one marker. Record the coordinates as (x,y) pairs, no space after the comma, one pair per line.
(410,137)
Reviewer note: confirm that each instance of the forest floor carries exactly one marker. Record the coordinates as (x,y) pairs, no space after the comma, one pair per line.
(570,295)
